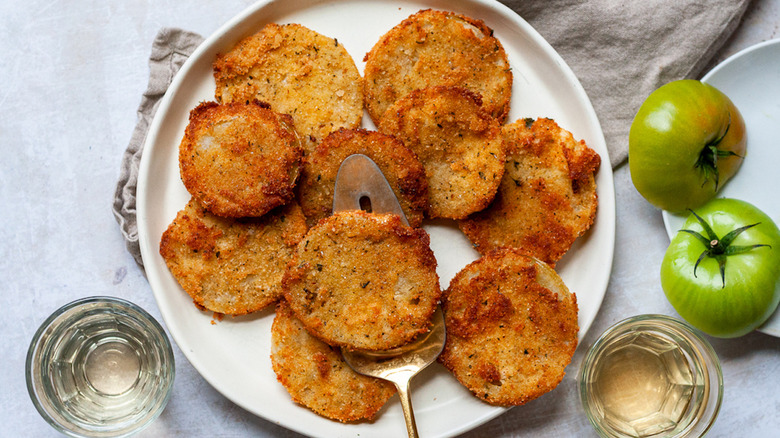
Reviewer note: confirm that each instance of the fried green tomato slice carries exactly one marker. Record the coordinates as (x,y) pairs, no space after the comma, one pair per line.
(363,281)
(298,72)
(437,48)
(316,375)
(511,327)
(399,165)
(547,197)
(458,143)
(239,160)
(231,266)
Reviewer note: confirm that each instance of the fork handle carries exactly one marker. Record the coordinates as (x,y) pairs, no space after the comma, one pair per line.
(406,404)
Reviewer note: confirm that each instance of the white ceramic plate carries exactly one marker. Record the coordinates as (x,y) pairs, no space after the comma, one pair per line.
(751,79)
(233,354)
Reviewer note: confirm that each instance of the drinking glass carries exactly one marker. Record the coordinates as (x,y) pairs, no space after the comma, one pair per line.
(651,375)
(100,367)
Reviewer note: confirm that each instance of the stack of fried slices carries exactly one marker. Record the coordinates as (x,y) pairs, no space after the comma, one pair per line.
(260,163)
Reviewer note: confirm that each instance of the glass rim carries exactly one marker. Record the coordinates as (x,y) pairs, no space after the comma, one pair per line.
(36,343)
(712,366)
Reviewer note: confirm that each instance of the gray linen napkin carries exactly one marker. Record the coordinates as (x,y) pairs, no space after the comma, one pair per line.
(620,50)
(170,50)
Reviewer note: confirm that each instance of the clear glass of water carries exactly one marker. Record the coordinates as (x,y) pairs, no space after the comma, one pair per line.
(651,376)
(100,367)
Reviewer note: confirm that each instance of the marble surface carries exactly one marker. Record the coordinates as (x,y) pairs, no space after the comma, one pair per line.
(73,74)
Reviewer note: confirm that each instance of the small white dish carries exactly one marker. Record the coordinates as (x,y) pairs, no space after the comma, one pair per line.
(751,79)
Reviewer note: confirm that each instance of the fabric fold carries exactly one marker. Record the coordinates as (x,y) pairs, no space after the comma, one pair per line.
(170,49)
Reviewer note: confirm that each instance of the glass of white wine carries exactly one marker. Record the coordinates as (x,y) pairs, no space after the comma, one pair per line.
(100,367)
(651,376)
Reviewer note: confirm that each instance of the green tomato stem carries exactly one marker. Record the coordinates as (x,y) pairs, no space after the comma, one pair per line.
(708,158)
(719,248)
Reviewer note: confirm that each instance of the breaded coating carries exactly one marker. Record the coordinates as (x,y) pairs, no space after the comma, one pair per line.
(239,160)
(547,196)
(511,327)
(298,72)
(437,48)
(363,281)
(231,266)
(399,165)
(316,375)
(458,143)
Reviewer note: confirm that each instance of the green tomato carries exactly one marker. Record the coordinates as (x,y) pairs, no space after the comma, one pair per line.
(686,141)
(724,282)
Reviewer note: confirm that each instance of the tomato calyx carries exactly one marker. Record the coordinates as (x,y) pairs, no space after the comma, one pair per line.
(719,248)
(709,156)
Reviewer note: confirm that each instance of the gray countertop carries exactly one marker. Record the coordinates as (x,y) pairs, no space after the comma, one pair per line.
(73,74)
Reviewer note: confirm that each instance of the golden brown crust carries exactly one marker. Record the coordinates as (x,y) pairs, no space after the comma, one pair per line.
(231,266)
(547,196)
(239,160)
(437,48)
(298,72)
(363,281)
(399,165)
(458,143)
(511,327)
(316,375)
